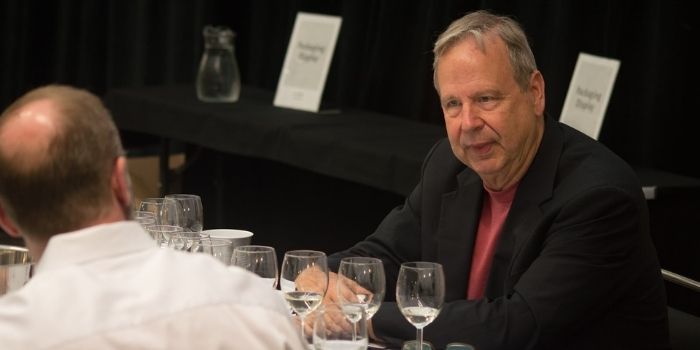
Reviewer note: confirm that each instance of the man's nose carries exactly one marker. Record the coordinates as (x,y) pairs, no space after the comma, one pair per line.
(470,118)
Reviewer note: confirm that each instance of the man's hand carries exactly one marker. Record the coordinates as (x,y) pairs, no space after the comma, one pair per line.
(332,293)
(313,279)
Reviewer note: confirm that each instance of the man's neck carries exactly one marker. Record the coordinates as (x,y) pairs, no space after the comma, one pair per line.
(36,247)
(37,244)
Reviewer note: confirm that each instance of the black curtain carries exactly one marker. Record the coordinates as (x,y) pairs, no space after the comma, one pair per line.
(383,59)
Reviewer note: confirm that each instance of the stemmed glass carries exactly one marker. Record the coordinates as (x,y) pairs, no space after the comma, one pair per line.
(166,211)
(164,235)
(261,260)
(144,218)
(332,329)
(191,213)
(361,282)
(304,281)
(420,292)
(188,241)
(221,249)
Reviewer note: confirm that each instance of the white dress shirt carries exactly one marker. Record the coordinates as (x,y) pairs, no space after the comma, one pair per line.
(110,287)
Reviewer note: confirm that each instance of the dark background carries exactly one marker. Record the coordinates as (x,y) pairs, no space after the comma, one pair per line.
(382,63)
(383,57)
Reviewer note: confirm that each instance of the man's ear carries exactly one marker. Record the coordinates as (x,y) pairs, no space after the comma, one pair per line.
(7,225)
(121,183)
(537,91)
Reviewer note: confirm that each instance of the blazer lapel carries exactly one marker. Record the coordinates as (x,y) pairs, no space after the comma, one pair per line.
(525,213)
(456,232)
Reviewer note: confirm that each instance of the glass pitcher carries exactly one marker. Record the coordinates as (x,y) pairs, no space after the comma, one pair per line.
(218,78)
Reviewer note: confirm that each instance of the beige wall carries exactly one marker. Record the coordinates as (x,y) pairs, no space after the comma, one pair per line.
(144,175)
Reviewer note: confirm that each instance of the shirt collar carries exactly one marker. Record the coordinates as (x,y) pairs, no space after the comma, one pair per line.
(505,195)
(95,242)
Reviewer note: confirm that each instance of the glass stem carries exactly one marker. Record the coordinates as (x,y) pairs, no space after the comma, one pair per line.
(419,337)
(302,328)
(354,331)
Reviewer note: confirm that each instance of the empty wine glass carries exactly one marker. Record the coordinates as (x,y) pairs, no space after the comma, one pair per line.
(166,211)
(192,215)
(333,330)
(261,260)
(304,281)
(144,218)
(188,240)
(420,292)
(361,282)
(221,249)
(164,234)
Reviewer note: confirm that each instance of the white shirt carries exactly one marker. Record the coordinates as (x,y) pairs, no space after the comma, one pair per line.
(110,287)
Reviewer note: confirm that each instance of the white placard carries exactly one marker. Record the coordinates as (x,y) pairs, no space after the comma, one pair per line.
(589,93)
(308,59)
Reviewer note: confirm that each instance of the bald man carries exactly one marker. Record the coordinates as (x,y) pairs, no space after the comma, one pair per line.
(100,281)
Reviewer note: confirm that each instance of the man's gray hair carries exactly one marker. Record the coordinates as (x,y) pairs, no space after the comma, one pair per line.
(480,23)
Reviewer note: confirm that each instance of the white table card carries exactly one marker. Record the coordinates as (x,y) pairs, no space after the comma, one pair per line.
(308,59)
(589,93)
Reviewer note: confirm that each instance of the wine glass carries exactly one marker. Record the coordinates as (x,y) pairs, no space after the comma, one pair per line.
(332,328)
(164,234)
(304,281)
(261,260)
(166,211)
(420,292)
(144,218)
(189,241)
(221,249)
(192,215)
(361,282)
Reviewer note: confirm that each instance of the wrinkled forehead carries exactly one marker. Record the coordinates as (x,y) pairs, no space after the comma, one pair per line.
(26,134)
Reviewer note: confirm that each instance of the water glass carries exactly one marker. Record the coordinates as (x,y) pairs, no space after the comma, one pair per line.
(164,234)
(420,293)
(191,212)
(144,218)
(361,281)
(304,281)
(258,259)
(221,249)
(186,240)
(166,211)
(333,329)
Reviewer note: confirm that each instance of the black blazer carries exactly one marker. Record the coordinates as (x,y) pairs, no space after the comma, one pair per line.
(574,268)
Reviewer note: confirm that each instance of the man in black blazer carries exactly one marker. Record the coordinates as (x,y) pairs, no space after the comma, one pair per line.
(542,232)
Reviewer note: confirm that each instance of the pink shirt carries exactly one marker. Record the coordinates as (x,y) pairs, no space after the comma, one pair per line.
(493,214)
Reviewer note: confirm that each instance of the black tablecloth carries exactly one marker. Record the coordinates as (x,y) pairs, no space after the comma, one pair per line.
(370,148)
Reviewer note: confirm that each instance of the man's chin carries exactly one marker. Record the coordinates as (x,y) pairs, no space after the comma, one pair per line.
(486,167)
